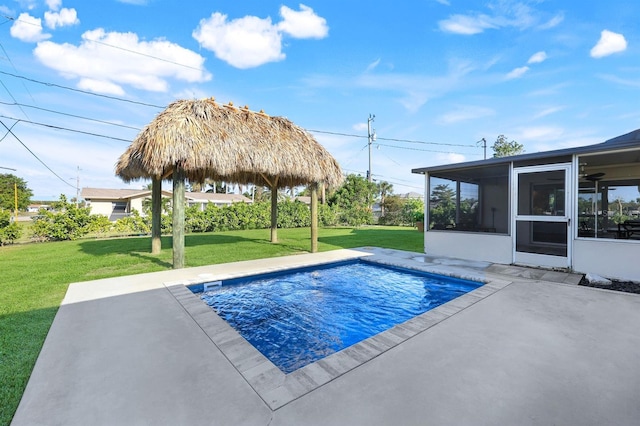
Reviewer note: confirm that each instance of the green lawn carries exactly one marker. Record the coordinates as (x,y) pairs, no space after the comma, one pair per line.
(34,278)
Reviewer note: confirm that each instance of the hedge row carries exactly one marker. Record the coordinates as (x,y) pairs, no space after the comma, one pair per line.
(69,222)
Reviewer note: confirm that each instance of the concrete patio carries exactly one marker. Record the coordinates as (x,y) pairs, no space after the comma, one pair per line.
(530,347)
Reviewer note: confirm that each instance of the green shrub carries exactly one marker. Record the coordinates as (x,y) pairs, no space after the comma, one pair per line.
(99,224)
(326,215)
(66,222)
(9,231)
(293,214)
(133,224)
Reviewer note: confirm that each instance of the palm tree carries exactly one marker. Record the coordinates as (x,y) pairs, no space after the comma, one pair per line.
(385,188)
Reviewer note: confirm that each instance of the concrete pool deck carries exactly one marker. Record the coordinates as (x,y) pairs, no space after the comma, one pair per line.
(528,348)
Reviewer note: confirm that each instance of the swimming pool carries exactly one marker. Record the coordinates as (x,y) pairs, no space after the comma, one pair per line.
(299,316)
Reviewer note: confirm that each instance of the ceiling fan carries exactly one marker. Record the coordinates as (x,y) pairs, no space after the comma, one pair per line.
(594,176)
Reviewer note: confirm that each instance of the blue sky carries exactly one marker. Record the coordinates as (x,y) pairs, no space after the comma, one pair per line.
(439,75)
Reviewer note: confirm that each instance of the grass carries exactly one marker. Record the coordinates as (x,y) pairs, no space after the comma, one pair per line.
(35,278)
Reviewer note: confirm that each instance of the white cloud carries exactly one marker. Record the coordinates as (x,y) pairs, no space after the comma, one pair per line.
(416,90)
(444,2)
(608,44)
(104,62)
(61,19)
(554,90)
(553,22)
(302,24)
(503,14)
(373,65)
(360,127)
(517,73)
(27,28)
(548,111)
(537,57)
(53,4)
(100,86)
(251,41)
(539,134)
(135,2)
(466,25)
(244,43)
(450,158)
(465,113)
(622,81)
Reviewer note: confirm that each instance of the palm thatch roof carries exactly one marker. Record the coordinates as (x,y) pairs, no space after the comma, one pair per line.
(222,142)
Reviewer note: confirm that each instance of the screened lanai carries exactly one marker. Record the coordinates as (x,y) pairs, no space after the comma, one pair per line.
(575,208)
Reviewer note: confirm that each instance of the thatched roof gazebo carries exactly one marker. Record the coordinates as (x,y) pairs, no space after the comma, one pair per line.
(200,139)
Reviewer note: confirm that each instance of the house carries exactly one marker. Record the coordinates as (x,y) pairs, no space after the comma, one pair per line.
(412,196)
(118,203)
(35,208)
(201,199)
(572,208)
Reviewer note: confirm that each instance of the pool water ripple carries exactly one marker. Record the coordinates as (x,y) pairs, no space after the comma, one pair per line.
(299,318)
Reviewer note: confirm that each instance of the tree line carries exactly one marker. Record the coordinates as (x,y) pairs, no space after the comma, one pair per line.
(349,205)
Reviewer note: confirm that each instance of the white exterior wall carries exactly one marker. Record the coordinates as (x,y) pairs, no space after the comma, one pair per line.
(607,258)
(136,204)
(479,246)
(101,207)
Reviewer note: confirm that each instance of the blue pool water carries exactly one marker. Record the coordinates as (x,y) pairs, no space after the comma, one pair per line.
(299,317)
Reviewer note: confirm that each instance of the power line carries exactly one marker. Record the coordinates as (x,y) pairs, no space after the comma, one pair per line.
(12,97)
(387,179)
(9,131)
(16,70)
(82,91)
(337,133)
(145,54)
(425,143)
(418,149)
(162,107)
(51,126)
(71,115)
(32,153)
(390,139)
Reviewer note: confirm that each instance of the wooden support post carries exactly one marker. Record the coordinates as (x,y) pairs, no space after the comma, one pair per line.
(178,217)
(156,215)
(274,214)
(314,218)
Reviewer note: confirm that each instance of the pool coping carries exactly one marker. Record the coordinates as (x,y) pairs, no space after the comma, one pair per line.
(278,389)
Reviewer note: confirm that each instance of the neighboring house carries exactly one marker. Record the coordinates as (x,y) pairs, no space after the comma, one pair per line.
(203,198)
(35,208)
(118,203)
(412,196)
(303,199)
(571,208)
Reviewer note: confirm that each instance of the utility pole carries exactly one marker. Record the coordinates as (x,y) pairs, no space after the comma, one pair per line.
(371,137)
(484,145)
